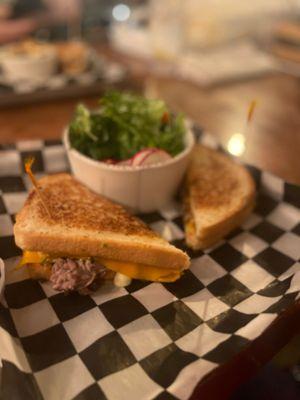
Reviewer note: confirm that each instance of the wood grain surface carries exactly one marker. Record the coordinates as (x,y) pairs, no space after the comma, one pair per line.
(272,141)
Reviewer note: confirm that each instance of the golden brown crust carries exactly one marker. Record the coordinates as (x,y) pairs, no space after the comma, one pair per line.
(219,194)
(224,228)
(85,224)
(120,250)
(213,179)
(75,206)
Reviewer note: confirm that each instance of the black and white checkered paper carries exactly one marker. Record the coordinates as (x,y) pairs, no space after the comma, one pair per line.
(149,340)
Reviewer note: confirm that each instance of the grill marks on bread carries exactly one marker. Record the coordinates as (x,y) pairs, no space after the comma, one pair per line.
(219,194)
(213,179)
(77,207)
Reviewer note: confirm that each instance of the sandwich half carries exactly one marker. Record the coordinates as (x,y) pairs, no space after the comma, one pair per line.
(219,194)
(74,237)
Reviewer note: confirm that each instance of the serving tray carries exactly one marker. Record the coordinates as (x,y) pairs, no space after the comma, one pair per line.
(148,340)
(100,74)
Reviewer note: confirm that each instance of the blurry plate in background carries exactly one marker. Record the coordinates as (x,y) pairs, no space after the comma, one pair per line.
(202,67)
(101,74)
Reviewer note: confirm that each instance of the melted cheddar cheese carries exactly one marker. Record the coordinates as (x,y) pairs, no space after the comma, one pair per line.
(141,271)
(32,257)
(133,270)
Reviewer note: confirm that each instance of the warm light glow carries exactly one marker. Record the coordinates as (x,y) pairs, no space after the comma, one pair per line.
(121,12)
(236,144)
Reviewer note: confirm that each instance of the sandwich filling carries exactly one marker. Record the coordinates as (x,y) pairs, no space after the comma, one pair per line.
(81,274)
(68,275)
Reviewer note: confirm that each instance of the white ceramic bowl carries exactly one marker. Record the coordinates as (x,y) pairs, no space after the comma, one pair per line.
(28,68)
(141,189)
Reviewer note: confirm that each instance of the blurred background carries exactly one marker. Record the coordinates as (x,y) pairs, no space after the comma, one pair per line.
(189,25)
(204,42)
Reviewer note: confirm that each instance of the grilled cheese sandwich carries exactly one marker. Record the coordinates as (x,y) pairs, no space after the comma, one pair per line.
(82,235)
(219,195)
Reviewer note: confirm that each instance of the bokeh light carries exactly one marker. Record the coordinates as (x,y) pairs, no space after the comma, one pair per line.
(121,12)
(236,144)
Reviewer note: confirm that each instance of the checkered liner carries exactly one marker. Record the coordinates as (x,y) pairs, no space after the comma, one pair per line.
(149,340)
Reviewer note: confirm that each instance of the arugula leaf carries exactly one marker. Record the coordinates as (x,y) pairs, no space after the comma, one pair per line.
(125,124)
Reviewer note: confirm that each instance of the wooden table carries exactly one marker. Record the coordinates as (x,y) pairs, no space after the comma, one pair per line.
(273,139)
(273,143)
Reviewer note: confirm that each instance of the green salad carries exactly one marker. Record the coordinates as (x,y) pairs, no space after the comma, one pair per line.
(124,125)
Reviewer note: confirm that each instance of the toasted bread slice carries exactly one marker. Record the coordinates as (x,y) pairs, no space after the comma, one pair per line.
(82,223)
(219,195)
